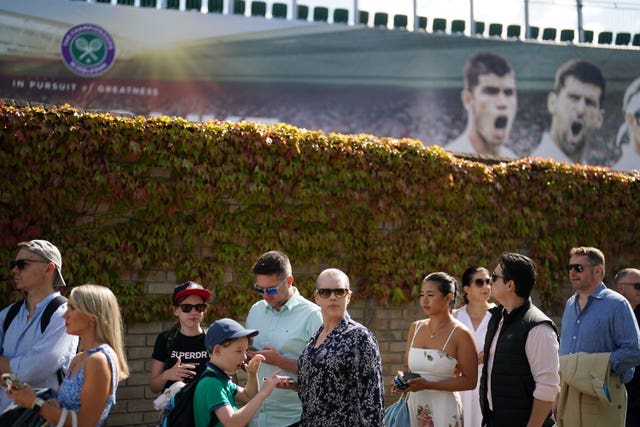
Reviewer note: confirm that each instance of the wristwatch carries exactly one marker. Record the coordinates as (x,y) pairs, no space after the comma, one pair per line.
(37,404)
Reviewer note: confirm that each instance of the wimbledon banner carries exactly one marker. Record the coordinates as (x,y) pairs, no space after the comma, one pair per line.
(577,103)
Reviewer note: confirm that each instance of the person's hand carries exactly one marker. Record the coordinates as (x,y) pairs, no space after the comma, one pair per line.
(481,358)
(287,383)
(416,384)
(254,364)
(23,396)
(395,389)
(179,372)
(554,407)
(272,381)
(270,354)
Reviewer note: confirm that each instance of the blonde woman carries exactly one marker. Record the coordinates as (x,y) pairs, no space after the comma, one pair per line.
(474,314)
(89,389)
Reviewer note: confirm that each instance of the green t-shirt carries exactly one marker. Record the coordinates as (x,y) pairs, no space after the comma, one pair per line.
(212,393)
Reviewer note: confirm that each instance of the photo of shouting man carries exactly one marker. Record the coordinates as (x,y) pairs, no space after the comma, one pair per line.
(576,111)
(489,97)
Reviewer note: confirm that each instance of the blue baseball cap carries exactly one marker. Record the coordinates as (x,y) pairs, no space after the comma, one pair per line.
(225,329)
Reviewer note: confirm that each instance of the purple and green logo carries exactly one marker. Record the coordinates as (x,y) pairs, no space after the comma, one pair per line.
(88,50)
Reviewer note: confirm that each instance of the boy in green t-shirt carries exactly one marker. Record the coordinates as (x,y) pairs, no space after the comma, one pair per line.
(227,342)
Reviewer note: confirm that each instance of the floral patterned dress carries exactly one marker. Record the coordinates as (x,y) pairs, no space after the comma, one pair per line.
(434,408)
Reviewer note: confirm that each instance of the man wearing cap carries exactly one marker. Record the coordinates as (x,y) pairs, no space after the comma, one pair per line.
(286,321)
(35,356)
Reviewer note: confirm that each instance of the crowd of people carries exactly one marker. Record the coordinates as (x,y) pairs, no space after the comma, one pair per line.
(310,364)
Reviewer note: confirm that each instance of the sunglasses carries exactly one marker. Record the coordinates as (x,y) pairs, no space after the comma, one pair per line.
(481,282)
(636,286)
(495,277)
(186,308)
(22,263)
(326,293)
(269,291)
(577,267)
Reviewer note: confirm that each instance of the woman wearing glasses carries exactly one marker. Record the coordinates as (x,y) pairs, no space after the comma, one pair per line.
(474,314)
(340,370)
(180,354)
(443,352)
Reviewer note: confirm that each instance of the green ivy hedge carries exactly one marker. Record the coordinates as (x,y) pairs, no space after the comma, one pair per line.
(121,195)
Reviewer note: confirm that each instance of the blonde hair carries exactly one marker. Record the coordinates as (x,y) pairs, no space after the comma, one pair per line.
(99,302)
(625,131)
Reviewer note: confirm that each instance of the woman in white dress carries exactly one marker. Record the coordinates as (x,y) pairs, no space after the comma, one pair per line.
(443,352)
(474,314)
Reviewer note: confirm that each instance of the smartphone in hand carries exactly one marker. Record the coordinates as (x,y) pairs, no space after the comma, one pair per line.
(12,380)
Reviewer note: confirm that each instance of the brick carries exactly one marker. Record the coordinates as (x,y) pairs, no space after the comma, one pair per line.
(131,392)
(139,353)
(139,378)
(135,340)
(145,328)
(161,288)
(126,419)
(140,405)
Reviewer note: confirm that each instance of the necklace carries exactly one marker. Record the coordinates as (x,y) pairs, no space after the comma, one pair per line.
(434,333)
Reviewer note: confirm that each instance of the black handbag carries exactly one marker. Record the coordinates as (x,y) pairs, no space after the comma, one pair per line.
(17,416)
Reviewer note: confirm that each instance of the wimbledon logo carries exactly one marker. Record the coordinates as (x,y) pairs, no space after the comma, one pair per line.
(88,50)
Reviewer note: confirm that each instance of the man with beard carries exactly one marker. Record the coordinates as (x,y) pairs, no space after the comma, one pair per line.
(576,111)
(489,96)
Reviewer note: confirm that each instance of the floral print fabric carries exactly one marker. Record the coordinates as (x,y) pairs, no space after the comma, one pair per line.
(340,382)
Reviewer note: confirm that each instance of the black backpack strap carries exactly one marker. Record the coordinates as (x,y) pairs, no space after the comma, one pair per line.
(11,314)
(171,337)
(214,419)
(51,308)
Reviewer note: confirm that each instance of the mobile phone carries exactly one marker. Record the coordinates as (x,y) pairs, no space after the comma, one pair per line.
(289,380)
(402,377)
(12,380)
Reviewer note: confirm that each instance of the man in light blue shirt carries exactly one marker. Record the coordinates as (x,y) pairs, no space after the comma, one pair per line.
(597,319)
(33,355)
(286,321)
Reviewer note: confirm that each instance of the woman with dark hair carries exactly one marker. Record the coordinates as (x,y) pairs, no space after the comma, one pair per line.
(474,314)
(442,351)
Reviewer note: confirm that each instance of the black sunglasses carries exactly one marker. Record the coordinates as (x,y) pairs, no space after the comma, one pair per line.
(636,286)
(577,267)
(186,308)
(326,292)
(481,282)
(494,277)
(22,263)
